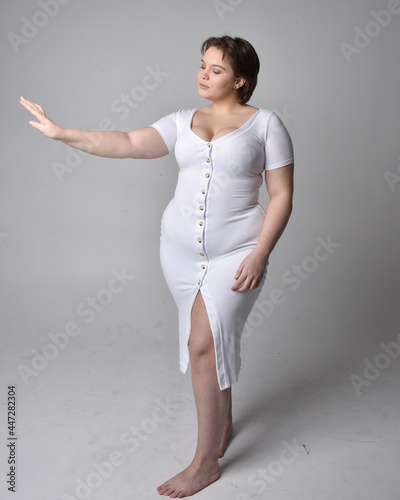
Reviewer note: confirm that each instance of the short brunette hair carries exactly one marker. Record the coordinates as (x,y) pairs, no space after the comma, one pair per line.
(243,59)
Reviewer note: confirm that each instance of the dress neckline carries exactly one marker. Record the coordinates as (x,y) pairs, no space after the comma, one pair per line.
(225,135)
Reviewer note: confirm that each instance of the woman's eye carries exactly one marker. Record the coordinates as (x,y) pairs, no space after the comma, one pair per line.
(216,72)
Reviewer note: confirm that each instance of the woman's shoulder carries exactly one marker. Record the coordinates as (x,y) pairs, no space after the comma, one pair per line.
(180,115)
(265,112)
(183,112)
(270,119)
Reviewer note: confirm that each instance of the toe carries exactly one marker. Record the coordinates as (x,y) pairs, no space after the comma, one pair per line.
(162,489)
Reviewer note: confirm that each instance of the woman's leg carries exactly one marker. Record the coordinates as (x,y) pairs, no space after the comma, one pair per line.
(212,407)
(228,429)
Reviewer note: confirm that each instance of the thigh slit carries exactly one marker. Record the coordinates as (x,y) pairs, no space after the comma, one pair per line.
(215,328)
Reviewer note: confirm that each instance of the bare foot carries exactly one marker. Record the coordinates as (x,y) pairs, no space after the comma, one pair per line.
(226,435)
(189,481)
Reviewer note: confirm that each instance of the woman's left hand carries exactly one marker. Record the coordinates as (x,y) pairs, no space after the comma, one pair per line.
(250,272)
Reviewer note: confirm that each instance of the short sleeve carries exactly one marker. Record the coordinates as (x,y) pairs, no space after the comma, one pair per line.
(278,144)
(167,128)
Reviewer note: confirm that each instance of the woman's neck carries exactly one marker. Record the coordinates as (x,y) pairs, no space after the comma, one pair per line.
(225,107)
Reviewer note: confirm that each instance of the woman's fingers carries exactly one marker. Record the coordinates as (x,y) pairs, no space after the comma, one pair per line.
(250,273)
(35,109)
(239,271)
(37,113)
(30,106)
(249,284)
(34,124)
(240,278)
(245,281)
(44,124)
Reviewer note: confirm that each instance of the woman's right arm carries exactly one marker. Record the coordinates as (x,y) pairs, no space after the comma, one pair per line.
(141,143)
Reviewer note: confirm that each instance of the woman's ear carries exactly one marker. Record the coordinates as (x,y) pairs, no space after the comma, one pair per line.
(239,83)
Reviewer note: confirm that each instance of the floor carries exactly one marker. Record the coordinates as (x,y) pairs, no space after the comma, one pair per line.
(107,414)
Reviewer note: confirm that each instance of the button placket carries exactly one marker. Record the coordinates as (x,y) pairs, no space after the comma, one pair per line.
(201,213)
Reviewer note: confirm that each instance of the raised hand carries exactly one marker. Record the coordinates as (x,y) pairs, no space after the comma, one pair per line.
(44,124)
(143,143)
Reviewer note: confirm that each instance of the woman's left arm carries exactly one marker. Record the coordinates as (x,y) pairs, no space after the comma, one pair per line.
(280,189)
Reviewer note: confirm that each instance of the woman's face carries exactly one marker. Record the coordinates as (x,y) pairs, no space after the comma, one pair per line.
(216,79)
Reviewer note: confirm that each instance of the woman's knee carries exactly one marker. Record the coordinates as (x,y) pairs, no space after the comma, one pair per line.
(201,349)
(201,342)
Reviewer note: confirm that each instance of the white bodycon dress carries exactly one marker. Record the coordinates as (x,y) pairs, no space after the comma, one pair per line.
(214,221)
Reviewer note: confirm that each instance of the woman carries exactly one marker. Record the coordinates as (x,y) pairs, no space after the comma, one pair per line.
(213,231)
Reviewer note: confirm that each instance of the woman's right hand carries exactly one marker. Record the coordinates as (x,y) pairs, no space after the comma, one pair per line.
(44,124)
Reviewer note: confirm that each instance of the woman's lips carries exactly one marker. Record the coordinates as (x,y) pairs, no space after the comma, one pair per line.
(203,86)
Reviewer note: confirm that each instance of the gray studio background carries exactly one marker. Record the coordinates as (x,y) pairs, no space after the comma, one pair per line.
(64,236)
